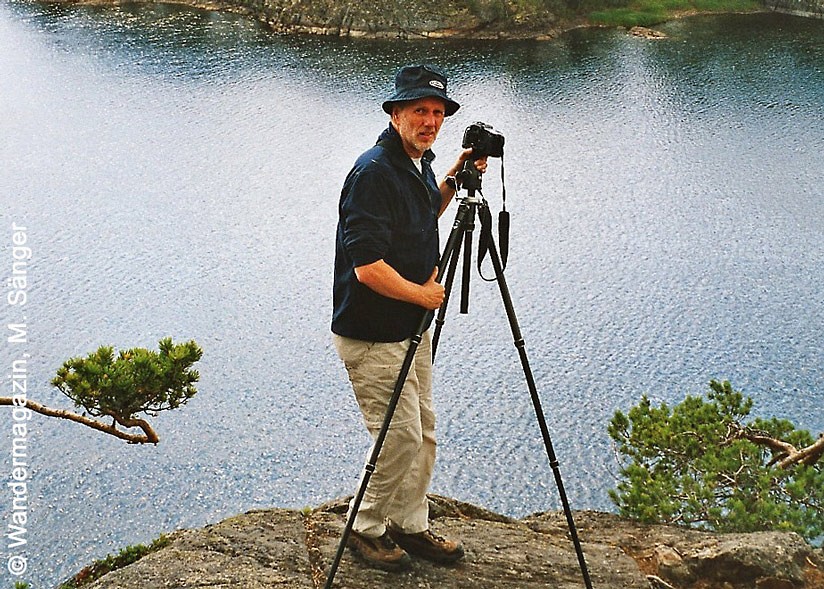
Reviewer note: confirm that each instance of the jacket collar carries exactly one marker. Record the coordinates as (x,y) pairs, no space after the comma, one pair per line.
(390,139)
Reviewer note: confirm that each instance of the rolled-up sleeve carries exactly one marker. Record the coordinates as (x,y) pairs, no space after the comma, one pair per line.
(366,218)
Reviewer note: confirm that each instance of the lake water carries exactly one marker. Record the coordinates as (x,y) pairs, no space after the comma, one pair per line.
(177,172)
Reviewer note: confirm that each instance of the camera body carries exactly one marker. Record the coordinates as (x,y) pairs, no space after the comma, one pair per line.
(484,141)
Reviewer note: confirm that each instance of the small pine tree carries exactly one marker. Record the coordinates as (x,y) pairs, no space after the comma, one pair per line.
(121,387)
(701,464)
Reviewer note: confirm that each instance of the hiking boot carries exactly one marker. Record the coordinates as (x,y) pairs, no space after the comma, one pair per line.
(429,546)
(381,552)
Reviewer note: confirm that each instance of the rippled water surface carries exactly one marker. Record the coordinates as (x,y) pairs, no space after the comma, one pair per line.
(178,172)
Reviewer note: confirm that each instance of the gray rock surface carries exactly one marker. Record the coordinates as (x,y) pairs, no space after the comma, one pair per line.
(279,548)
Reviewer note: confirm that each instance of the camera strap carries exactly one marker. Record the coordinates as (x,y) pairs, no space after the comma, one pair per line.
(484,240)
(503,221)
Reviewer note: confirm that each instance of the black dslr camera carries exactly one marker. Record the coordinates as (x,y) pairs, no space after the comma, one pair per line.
(483,140)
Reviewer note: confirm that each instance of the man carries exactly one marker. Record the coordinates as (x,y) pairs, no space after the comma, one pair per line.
(385,267)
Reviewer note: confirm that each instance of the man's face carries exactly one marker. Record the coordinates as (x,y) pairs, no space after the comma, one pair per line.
(418,123)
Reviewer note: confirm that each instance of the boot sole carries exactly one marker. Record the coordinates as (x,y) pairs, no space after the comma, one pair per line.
(436,557)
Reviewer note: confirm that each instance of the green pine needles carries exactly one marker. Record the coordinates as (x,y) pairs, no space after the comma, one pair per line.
(134,381)
(705,463)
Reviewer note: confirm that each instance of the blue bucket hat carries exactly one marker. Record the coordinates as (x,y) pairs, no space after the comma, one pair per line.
(419,81)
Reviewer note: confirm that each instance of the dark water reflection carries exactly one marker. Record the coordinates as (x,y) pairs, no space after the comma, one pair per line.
(178,171)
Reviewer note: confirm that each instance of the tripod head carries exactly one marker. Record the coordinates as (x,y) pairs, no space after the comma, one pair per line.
(469,178)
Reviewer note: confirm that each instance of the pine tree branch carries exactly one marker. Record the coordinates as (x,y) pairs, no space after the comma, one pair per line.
(151,436)
(785,454)
(806,456)
(148,437)
(779,448)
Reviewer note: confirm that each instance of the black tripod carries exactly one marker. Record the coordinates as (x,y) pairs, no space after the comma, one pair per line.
(463,227)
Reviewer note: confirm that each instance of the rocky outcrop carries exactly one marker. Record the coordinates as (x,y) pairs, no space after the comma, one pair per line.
(280,548)
(422,19)
(407,19)
(807,8)
(647,33)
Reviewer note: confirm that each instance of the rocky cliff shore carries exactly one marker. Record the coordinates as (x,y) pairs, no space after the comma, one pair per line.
(293,549)
(421,19)
(377,19)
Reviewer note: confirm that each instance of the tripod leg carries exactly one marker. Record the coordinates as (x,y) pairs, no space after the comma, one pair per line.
(440,320)
(464,221)
(452,245)
(536,403)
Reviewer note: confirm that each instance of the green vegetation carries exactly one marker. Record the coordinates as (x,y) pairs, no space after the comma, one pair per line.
(119,387)
(630,13)
(624,13)
(125,557)
(701,464)
(137,381)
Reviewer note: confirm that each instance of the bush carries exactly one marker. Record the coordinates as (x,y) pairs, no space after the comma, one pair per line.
(630,13)
(628,17)
(700,464)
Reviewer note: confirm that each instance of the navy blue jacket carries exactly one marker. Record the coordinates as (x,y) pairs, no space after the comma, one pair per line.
(389,211)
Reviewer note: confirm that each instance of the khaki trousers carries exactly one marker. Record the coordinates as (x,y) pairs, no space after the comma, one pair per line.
(397,489)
